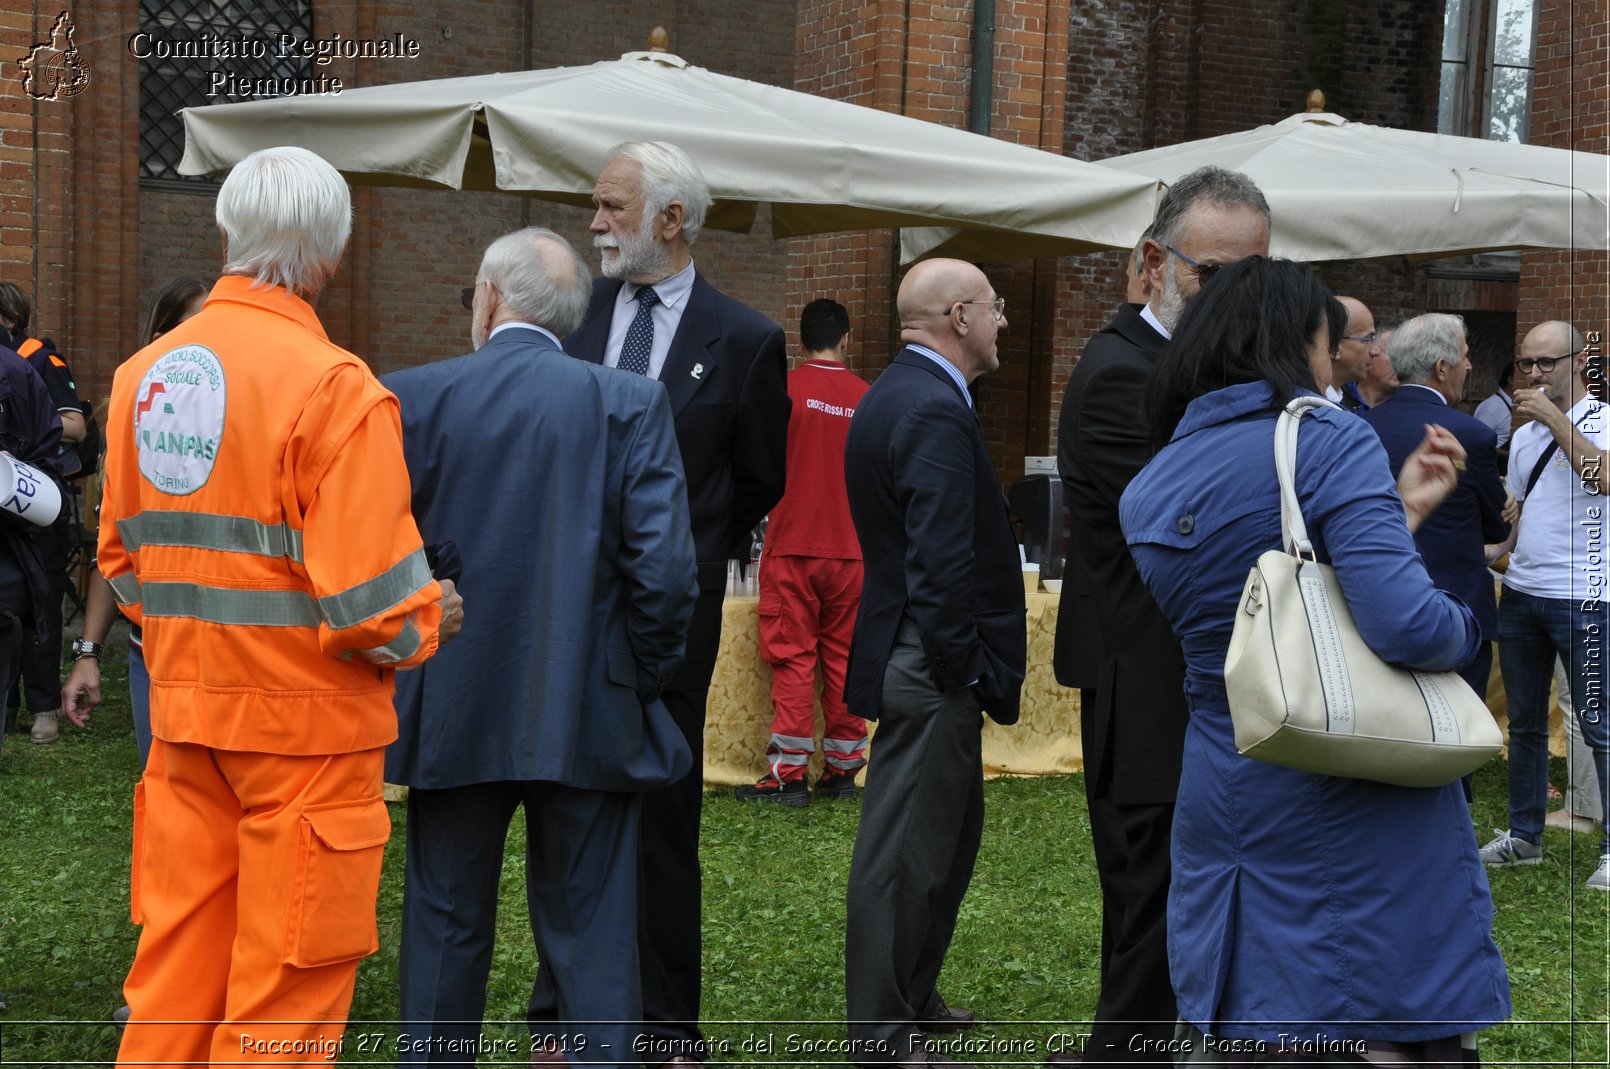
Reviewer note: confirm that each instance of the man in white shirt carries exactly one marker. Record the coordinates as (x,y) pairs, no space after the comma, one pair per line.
(1554,592)
(1352,358)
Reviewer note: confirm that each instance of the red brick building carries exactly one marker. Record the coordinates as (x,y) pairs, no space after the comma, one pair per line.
(91,223)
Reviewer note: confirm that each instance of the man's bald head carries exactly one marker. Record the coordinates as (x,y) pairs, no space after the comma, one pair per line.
(1352,358)
(1557,335)
(948,306)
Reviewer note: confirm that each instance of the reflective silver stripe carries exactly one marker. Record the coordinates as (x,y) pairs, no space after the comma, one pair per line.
(126,588)
(374,596)
(833,746)
(217,605)
(797,743)
(206,530)
(404,646)
(845,764)
(790,759)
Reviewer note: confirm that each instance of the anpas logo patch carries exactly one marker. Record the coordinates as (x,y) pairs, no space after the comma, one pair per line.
(179,419)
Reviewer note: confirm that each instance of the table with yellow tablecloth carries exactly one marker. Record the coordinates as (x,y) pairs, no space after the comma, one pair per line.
(1044,741)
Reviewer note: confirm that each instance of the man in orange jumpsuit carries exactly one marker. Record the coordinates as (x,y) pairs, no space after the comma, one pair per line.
(256,523)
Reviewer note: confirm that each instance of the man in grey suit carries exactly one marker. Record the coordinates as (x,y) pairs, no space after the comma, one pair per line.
(561,486)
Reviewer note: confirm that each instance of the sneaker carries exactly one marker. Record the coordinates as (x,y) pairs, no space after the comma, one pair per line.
(1566,820)
(1600,880)
(791,792)
(44,729)
(1508,850)
(836,785)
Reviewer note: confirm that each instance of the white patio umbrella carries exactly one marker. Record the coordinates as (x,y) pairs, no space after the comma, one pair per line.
(1347,190)
(822,165)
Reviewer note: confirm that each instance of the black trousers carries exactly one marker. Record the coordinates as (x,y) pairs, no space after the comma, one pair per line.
(922,818)
(1137,999)
(40,682)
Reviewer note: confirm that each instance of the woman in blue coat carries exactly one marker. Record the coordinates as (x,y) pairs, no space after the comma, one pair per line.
(1309,915)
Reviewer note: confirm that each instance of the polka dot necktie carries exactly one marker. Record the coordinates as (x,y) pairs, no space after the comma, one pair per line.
(640,335)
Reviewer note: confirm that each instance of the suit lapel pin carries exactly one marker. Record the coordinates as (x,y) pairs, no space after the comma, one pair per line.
(698,370)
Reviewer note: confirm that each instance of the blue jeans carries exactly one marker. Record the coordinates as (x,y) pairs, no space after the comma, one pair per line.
(1532,631)
(140,702)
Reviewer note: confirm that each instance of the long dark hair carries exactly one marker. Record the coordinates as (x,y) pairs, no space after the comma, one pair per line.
(168,306)
(1253,321)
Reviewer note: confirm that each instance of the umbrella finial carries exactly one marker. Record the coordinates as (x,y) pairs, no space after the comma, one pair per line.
(659,40)
(1316,101)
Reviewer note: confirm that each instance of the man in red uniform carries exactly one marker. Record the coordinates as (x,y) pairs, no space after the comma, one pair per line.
(256,523)
(810,579)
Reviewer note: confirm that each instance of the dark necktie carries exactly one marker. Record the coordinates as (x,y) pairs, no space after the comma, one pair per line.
(640,335)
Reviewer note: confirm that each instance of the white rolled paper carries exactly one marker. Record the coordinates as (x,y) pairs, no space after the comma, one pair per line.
(29,492)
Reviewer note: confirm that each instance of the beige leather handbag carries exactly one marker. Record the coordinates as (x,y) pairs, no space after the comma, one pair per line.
(1305,690)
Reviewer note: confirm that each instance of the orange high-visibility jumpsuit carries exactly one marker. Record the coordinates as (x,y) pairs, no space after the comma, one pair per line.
(256,523)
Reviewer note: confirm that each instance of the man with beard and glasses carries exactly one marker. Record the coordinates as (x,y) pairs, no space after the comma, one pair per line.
(1113,642)
(724,368)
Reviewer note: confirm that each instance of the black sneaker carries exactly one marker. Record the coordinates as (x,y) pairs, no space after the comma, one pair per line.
(792,792)
(836,785)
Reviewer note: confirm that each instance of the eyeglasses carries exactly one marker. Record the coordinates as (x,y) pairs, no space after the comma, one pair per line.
(998,305)
(1203,271)
(1545,364)
(1367,339)
(467,295)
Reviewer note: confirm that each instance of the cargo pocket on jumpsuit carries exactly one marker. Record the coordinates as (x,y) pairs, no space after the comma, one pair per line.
(339,851)
(777,643)
(137,856)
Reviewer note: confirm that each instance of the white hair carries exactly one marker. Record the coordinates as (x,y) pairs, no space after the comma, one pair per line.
(286,215)
(666,175)
(1417,344)
(541,277)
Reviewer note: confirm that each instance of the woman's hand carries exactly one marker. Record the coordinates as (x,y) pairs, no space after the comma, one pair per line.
(1430,474)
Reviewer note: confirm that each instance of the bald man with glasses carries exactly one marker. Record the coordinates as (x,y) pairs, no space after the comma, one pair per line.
(1554,600)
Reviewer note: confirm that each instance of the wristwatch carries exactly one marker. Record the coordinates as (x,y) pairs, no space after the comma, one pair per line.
(83,647)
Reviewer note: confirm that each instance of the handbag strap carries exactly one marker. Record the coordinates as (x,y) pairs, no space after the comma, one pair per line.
(1293,531)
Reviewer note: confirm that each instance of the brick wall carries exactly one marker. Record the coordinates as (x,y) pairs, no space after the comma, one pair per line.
(1570,103)
(1091,79)
(395,301)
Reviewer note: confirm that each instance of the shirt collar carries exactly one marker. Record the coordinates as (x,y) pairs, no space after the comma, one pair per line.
(954,371)
(1428,389)
(501,327)
(671,291)
(1150,316)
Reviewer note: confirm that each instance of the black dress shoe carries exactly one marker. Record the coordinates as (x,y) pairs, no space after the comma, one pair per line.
(948,1019)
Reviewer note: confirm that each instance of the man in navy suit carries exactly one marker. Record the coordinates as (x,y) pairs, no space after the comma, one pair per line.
(561,487)
(939,640)
(724,368)
(1432,360)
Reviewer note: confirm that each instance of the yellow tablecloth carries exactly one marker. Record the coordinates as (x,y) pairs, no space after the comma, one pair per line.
(1045,740)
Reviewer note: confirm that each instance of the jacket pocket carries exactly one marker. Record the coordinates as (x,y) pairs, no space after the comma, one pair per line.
(332,914)
(137,859)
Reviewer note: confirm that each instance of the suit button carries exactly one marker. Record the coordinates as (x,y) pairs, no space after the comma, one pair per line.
(1185,524)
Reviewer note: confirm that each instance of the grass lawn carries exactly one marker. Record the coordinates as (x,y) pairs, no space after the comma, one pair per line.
(1024,957)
